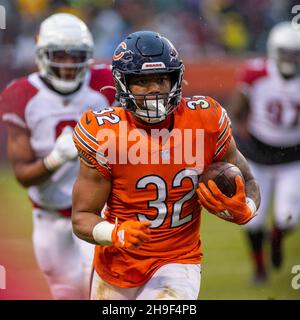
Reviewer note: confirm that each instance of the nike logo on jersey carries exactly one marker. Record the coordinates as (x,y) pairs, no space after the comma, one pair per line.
(87,120)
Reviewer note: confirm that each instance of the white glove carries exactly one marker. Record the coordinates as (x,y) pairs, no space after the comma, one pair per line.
(64,150)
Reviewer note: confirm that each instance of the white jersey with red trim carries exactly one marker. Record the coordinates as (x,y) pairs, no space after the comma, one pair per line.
(274,104)
(29,103)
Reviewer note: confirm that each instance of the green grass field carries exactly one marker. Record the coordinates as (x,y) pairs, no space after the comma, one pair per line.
(226,268)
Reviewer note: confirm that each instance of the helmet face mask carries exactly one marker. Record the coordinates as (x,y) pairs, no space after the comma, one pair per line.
(64,69)
(64,52)
(147,53)
(151,108)
(284,49)
(288,62)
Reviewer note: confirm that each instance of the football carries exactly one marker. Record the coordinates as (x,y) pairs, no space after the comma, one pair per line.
(223,174)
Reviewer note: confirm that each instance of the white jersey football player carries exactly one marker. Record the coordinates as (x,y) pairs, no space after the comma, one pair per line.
(41,110)
(266,116)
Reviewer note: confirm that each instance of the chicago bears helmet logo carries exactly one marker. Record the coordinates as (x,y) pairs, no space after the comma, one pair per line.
(120,51)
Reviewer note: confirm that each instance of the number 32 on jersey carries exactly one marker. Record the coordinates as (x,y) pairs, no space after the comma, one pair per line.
(162,194)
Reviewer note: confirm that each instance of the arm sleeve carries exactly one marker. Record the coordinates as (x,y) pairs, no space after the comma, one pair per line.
(223,134)
(90,151)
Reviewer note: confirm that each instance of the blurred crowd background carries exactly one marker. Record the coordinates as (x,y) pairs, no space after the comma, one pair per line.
(200,30)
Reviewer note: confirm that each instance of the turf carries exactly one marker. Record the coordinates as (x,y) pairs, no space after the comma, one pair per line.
(23,278)
(226,268)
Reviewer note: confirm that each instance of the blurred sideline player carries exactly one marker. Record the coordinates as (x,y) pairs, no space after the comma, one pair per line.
(148,245)
(266,115)
(41,110)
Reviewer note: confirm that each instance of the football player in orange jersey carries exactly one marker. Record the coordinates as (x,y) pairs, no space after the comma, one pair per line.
(138,158)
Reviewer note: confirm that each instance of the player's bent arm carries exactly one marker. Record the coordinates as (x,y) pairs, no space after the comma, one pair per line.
(234,156)
(27,169)
(90,193)
(242,206)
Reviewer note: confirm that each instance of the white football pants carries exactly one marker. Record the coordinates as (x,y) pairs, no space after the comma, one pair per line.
(174,281)
(65,260)
(284,181)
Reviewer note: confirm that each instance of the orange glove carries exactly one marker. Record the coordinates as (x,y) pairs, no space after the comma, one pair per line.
(234,209)
(130,234)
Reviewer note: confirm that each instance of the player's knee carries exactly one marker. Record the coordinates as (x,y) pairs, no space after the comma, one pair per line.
(287,221)
(44,262)
(171,294)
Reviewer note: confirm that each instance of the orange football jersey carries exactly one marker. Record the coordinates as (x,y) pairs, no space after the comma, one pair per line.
(154,174)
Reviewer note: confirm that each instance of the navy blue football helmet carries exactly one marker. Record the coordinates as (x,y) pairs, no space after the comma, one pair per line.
(147,52)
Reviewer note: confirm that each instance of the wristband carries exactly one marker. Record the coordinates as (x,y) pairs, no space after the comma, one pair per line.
(53,161)
(251,205)
(102,232)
